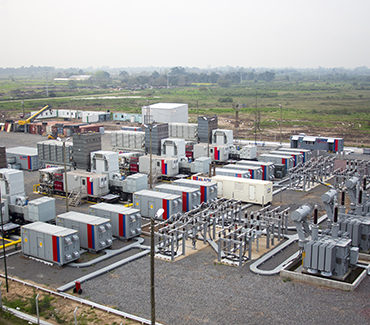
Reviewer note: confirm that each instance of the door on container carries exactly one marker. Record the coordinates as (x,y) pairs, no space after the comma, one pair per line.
(220,189)
(40,246)
(83,185)
(252,192)
(151,209)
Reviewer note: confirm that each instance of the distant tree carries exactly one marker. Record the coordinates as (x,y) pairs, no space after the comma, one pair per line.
(123,75)
(101,75)
(224,82)
(72,84)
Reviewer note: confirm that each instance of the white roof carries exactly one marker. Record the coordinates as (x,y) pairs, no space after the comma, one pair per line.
(29,151)
(166,105)
(177,188)
(119,208)
(160,195)
(83,218)
(240,180)
(309,138)
(47,228)
(295,137)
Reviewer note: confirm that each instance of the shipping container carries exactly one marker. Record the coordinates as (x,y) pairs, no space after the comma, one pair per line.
(222,137)
(173,148)
(216,152)
(41,209)
(95,232)
(165,113)
(89,184)
(205,126)
(285,160)
(69,113)
(297,157)
(255,172)
(307,154)
(149,202)
(268,168)
(233,172)
(161,166)
(52,152)
(105,163)
(128,140)
(55,244)
(245,152)
(187,131)
(208,190)
(190,196)
(246,190)
(49,113)
(26,157)
(94,116)
(126,222)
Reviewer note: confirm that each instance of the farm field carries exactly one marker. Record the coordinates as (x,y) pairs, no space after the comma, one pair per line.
(334,109)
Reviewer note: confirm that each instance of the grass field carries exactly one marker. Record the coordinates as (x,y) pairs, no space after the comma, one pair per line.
(341,109)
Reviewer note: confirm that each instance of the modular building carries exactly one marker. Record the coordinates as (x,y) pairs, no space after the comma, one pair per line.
(128,140)
(233,172)
(49,113)
(208,190)
(255,172)
(286,161)
(268,168)
(55,244)
(303,141)
(187,131)
(133,118)
(69,113)
(307,154)
(297,156)
(41,209)
(89,184)
(173,148)
(126,222)
(149,202)
(95,232)
(190,196)
(25,158)
(161,166)
(52,152)
(246,190)
(94,117)
(165,113)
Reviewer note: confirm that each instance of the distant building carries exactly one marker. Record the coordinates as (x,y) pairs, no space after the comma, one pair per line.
(165,113)
(77,77)
(303,141)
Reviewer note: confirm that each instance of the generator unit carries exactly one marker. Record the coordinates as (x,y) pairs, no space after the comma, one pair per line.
(244,189)
(41,209)
(55,244)
(268,168)
(218,153)
(287,161)
(53,151)
(126,222)
(149,202)
(297,156)
(307,154)
(233,172)
(208,190)
(199,165)
(95,232)
(25,158)
(11,185)
(173,148)
(255,172)
(222,137)
(161,166)
(105,163)
(127,186)
(245,152)
(190,196)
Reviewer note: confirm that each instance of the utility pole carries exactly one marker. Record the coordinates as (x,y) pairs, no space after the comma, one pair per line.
(4,252)
(281,121)
(255,122)
(65,174)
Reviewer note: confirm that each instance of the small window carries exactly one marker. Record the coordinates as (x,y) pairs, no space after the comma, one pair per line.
(158,164)
(83,182)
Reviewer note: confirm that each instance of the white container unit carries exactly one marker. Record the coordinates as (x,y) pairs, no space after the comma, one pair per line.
(268,168)
(49,113)
(208,190)
(95,232)
(161,166)
(126,222)
(104,162)
(246,190)
(216,152)
(222,137)
(165,113)
(287,161)
(190,196)
(25,157)
(297,156)
(149,202)
(90,184)
(41,209)
(307,154)
(245,152)
(128,140)
(200,165)
(187,131)
(173,148)
(55,244)
(200,150)
(11,183)
(69,113)
(233,172)
(255,172)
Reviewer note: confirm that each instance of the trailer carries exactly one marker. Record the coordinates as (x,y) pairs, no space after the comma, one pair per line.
(297,156)
(287,161)
(55,244)
(95,233)
(208,190)
(268,168)
(126,222)
(243,189)
(255,172)
(236,172)
(190,196)
(149,202)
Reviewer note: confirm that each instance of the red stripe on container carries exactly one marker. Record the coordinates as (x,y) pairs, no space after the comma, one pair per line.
(89,236)
(120,224)
(55,249)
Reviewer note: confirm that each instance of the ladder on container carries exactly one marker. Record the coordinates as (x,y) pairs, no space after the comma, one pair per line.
(74,198)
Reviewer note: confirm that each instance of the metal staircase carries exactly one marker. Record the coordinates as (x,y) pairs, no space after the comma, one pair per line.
(74,198)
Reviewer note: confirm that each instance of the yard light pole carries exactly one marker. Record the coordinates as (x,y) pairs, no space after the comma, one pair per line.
(4,252)
(281,121)
(150,125)
(65,171)
(158,215)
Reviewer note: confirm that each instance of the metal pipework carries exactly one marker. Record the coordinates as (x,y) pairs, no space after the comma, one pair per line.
(315,228)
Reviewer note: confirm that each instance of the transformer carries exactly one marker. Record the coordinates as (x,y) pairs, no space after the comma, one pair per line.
(55,244)
(222,137)
(95,233)
(245,152)
(105,163)
(149,202)
(208,190)
(173,148)
(126,222)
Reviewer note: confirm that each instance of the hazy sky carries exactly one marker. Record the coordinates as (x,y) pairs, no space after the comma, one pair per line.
(202,33)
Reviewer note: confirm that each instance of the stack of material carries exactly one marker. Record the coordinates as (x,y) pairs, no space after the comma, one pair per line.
(159,132)
(83,145)
(133,140)
(205,126)
(3,163)
(187,131)
(52,152)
